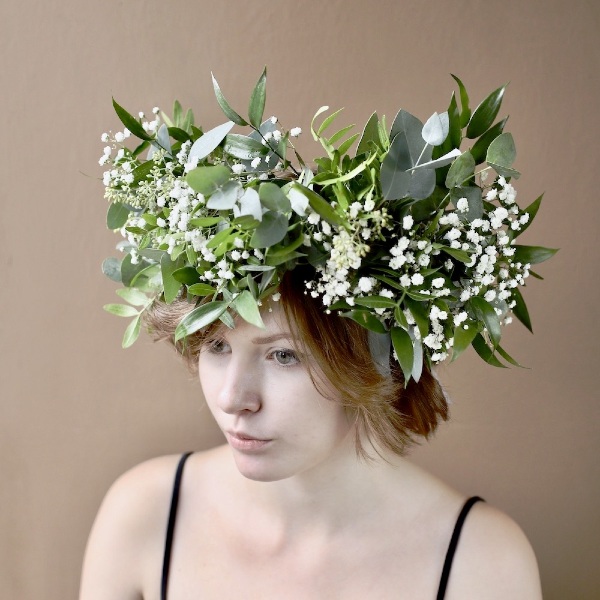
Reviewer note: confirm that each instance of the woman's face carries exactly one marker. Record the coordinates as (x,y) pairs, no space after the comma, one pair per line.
(258,389)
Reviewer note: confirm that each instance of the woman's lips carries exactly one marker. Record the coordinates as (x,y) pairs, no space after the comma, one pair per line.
(242,441)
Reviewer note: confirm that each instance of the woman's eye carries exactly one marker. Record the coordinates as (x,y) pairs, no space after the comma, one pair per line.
(285,357)
(217,346)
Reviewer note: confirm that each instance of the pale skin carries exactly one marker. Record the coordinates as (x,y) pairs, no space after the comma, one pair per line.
(296,514)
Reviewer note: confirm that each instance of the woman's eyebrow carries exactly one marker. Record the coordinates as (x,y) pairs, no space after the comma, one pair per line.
(271,338)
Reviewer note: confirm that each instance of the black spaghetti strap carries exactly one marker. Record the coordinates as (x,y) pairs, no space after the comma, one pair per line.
(171,526)
(453,543)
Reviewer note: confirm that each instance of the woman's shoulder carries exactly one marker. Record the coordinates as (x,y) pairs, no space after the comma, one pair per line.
(494,558)
(127,539)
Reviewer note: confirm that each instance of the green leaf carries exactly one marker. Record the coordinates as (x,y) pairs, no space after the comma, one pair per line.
(200,317)
(463,337)
(205,221)
(208,180)
(227,319)
(369,136)
(177,113)
(474,199)
(201,289)
(461,170)
(367,319)
(531,210)
(419,313)
(187,275)
(120,310)
(480,147)
(220,237)
(485,312)
(520,309)
(170,285)
(204,145)
(129,271)
(133,296)
(111,267)
(507,357)
(117,215)
(328,121)
(271,230)
(320,205)
(257,100)
(345,146)
(376,302)
(132,332)
(501,154)
(229,112)
(483,116)
(338,135)
(273,198)
(465,114)
(481,347)
(532,254)
(436,129)
(243,147)
(246,306)
(130,122)
(459,255)
(142,171)
(403,345)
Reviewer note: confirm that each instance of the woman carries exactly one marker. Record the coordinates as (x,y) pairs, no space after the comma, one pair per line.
(288,508)
(311,496)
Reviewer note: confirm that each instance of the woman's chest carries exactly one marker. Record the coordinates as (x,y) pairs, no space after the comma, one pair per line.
(347,567)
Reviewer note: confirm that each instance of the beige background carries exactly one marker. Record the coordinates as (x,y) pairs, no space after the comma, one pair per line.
(76,410)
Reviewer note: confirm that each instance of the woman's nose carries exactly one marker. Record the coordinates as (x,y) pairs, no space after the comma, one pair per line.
(239,389)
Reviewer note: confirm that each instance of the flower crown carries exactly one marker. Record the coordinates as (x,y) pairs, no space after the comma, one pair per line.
(408,235)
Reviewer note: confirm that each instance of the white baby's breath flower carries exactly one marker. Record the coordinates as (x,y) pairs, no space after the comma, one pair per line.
(273,119)
(255,162)
(491,195)
(238,169)
(438,282)
(365,284)
(417,279)
(104,137)
(277,135)
(119,137)
(295,131)
(407,222)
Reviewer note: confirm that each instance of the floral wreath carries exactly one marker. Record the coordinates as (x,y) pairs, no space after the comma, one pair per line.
(408,235)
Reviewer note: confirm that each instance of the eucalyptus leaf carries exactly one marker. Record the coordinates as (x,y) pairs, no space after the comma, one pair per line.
(273,198)
(461,170)
(380,346)
(501,151)
(271,230)
(200,317)
(208,180)
(436,129)
(483,116)
(257,100)
(394,176)
(111,267)
(226,196)
(250,204)
(246,306)
(229,112)
(442,161)
(480,147)
(474,199)
(117,215)
(130,270)
(204,145)
(243,147)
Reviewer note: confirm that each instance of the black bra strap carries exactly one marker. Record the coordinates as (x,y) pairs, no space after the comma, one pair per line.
(453,543)
(171,526)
